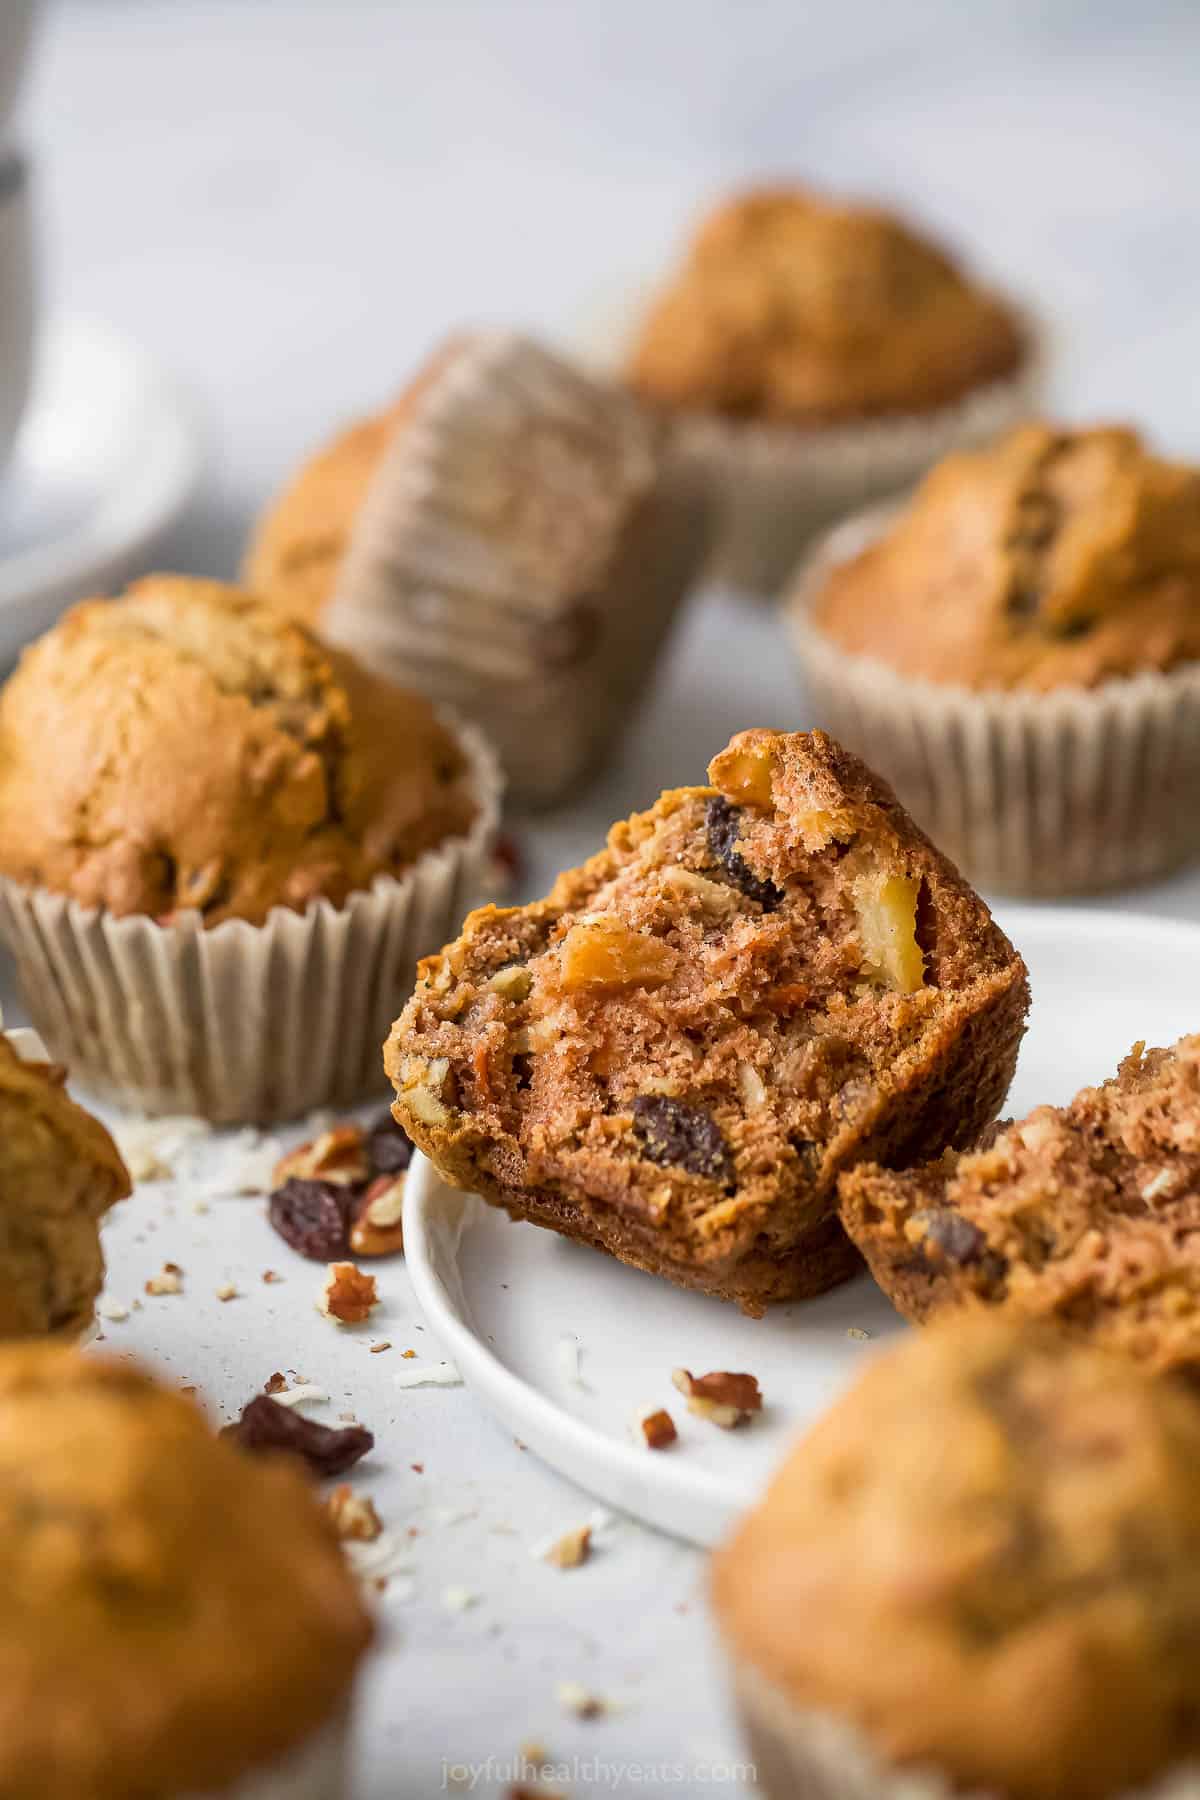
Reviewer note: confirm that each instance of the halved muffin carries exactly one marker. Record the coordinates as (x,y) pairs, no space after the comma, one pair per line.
(755,985)
(1086,1215)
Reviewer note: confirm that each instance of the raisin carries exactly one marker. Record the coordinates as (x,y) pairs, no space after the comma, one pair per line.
(313,1217)
(674,1133)
(266,1426)
(723,822)
(959,1241)
(389,1147)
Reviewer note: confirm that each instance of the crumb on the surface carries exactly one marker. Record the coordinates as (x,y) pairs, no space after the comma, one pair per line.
(113,1310)
(353,1515)
(378,1349)
(570,1550)
(459,1599)
(655,1428)
(857,1333)
(275,1383)
(227,1291)
(169,1281)
(574,1698)
(269,1276)
(347,1296)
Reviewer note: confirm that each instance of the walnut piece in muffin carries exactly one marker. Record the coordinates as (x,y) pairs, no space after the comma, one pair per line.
(672,1056)
(186,747)
(797,309)
(986,1557)
(1057,557)
(1087,1215)
(59,1174)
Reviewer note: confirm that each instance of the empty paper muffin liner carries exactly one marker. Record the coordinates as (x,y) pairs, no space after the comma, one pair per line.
(776,486)
(1063,792)
(803,1755)
(244,1023)
(316,1770)
(521,554)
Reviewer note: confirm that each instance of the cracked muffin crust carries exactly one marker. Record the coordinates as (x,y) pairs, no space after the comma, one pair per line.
(1085,1215)
(59,1174)
(798,309)
(1054,558)
(176,1614)
(672,1056)
(985,1562)
(184,747)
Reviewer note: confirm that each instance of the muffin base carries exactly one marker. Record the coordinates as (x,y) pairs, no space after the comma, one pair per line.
(243,1024)
(823,1258)
(316,1770)
(776,487)
(1072,791)
(801,1755)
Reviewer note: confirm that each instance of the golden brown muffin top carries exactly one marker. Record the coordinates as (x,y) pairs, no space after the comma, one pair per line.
(175,1613)
(296,550)
(188,747)
(987,1556)
(59,1174)
(1056,557)
(800,309)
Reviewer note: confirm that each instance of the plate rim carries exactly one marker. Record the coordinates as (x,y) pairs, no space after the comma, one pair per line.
(707,1505)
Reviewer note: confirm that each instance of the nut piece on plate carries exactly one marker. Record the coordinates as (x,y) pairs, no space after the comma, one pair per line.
(343,1192)
(1084,1215)
(519,533)
(655,1428)
(348,1295)
(59,1174)
(723,1398)
(674,1055)
(231,1629)
(1000,1520)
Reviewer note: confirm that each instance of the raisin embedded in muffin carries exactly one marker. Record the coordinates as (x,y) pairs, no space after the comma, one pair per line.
(1086,1215)
(1054,558)
(673,1055)
(979,1573)
(185,748)
(178,1617)
(59,1174)
(800,310)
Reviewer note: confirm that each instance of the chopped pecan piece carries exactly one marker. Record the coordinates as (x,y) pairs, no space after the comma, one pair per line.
(725,1399)
(573,1548)
(338,1155)
(353,1515)
(377,1229)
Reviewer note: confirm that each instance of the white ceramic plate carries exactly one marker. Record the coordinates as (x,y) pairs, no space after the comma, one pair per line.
(108,456)
(514,1305)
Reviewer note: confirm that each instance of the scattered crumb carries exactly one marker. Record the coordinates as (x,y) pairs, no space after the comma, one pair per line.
(227,1291)
(275,1384)
(169,1282)
(378,1349)
(148,1146)
(419,1374)
(568,1551)
(655,1428)
(348,1295)
(269,1276)
(112,1309)
(417,1468)
(408,1354)
(459,1599)
(574,1698)
(353,1515)
(857,1333)
(201,1207)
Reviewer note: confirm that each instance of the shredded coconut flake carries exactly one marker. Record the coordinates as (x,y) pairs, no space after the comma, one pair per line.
(459,1599)
(299,1395)
(569,1355)
(422,1374)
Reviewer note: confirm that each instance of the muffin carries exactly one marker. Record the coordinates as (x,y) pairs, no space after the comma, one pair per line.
(673,1055)
(818,353)
(977,1575)
(1084,1215)
(223,847)
(59,1174)
(511,537)
(1016,648)
(178,1618)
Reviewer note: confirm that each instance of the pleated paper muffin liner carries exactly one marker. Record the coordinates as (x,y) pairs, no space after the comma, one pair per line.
(805,1755)
(317,1769)
(775,487)
(473,572)
(1068,791)
(244,1023)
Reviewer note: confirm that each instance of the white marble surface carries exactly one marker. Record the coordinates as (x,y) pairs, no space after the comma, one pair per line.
(288,202)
